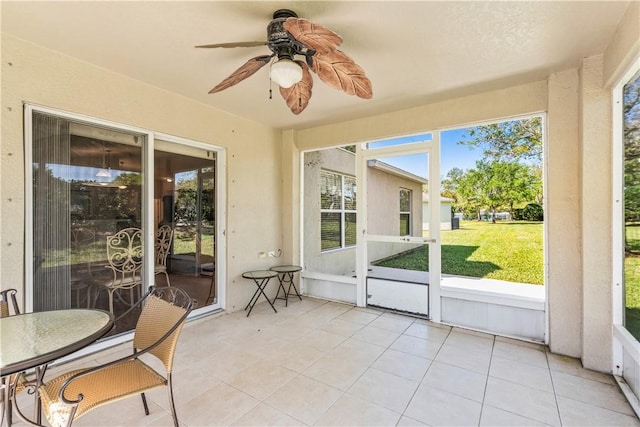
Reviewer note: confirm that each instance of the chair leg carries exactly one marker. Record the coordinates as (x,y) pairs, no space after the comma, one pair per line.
(111,301)
(167,276)
(5,404)
(144,402)
(171,402)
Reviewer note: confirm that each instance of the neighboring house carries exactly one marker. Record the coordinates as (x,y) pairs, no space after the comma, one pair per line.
(445,212)
(330,208)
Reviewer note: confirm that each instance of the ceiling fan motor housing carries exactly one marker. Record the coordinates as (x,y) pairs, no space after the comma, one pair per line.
(280,41)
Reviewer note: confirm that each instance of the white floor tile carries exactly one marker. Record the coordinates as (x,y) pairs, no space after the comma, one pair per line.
(574,413)
(375,335)
(440,408)
(474,359)
(427,332)
(261,379)
(402,364)
(572,366)
(521,373)
(265,415)
(497,417)
(531,354)
(417,346)
(219,406)
(384,389)
(304,399)
(459,381)
(595,393)
(525,401)
(349,410)
(336,371)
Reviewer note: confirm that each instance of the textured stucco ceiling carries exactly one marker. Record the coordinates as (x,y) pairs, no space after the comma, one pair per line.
(413,52)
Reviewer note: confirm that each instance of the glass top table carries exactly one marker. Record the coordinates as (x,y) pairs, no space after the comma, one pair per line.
(261,279)
(35,339)
(285,275)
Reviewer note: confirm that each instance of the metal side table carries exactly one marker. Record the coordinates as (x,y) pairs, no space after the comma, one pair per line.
(261,279)
(285,275)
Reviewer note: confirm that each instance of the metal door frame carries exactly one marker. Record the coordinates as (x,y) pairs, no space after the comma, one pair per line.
(363,155)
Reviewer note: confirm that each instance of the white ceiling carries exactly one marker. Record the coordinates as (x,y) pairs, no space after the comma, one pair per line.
(413,52)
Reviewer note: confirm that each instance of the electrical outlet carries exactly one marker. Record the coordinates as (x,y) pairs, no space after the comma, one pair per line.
(272,254)
(262,255)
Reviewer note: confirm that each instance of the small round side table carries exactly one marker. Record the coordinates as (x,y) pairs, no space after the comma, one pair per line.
(285,275)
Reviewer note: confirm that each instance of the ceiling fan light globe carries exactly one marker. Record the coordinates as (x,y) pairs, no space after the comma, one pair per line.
(286,73)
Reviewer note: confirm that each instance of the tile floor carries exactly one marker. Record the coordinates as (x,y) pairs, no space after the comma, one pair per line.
(322,363)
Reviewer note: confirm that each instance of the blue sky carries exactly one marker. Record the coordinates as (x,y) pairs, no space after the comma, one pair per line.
(452,154)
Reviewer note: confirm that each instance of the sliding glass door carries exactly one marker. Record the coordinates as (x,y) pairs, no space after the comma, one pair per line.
(104,197)
(87,186)
(185,200)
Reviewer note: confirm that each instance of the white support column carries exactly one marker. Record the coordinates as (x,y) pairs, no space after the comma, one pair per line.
(434,229)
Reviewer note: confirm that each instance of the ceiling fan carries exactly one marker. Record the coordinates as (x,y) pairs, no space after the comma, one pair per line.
(288,36)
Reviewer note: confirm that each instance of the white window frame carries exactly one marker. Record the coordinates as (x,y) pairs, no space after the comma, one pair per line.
(408,213)
(342,211)
(622,337)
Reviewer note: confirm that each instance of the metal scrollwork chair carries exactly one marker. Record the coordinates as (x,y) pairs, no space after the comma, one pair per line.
(124,255)
(12,384)
(162,248)
(75,393)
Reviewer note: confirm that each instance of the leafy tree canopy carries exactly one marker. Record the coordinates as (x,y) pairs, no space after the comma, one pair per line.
(514,140)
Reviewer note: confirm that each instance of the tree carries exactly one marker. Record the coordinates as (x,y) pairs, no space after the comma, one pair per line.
(632,150)
(516,140)
(450,187)
(496,185)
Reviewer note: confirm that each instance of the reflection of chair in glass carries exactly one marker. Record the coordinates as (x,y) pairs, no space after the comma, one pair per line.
(73,394)
(162,247)
(124,255)
(82,239)
(15,383)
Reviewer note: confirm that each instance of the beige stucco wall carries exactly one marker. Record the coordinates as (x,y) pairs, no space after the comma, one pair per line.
(339,261)
(563,218)
(383,203)
(624,46)
(36,75)
(507,102)
(597,198)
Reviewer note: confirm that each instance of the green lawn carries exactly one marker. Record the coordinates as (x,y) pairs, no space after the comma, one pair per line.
(632,279)
(632,288)
(511,251)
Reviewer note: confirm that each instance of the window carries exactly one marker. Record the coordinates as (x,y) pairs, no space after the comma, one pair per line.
(631,141)
(337,210)
(405,212)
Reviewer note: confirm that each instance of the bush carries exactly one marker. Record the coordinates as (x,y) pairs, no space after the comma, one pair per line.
(533,212)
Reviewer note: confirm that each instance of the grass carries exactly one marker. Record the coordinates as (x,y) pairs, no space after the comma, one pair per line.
(510,251)
(185,243)
(632,297)
(632,280)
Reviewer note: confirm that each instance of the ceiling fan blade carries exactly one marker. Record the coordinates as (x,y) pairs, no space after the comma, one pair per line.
(339,71)
(237,44)
(246,70)
(297,96)
(314,36)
